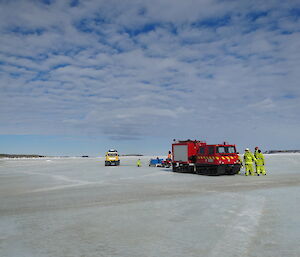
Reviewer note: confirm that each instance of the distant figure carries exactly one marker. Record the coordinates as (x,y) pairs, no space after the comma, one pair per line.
(248,160)
(260,163)
(138,163)
(169,158)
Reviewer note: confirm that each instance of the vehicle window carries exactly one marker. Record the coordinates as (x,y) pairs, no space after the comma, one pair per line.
(211,150)
(221,149)
(231,149)
(112,154)
(226,149)
(201,150)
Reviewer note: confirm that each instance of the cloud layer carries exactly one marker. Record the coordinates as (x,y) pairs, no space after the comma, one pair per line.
(129,69)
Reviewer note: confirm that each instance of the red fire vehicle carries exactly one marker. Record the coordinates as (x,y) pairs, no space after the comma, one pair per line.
(193,156)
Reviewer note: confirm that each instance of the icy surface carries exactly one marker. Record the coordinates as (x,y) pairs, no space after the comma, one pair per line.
(79,207)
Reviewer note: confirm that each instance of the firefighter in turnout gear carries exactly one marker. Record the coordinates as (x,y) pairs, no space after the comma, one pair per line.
(241,161)
(138,163)
(255,155)
(248,160)
(260,163)
(256,151)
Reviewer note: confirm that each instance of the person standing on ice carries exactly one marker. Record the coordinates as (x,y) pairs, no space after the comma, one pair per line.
(256,151)
(260,163)
(241,161)
(169,156)
(255,154)
(248,160)
(138,163)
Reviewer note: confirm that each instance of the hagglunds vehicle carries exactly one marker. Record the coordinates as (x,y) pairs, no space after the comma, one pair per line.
(193,156)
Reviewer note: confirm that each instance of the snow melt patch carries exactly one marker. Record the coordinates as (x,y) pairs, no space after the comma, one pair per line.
(242,230)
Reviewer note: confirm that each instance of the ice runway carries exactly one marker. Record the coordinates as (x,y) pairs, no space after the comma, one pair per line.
(79,207)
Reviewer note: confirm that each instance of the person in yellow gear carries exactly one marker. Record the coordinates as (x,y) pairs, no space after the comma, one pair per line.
(260,163)
(241,161)
(138,163)
(255,154)
(248,160)
(256,151)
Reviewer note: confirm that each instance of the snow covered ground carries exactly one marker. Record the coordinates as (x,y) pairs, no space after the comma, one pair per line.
(78,207)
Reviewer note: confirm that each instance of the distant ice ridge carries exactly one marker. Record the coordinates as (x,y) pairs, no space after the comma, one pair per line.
(281,153)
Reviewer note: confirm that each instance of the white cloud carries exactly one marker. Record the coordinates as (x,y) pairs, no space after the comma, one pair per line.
(200,67)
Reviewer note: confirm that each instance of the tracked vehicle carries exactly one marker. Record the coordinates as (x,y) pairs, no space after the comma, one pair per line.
(193,156)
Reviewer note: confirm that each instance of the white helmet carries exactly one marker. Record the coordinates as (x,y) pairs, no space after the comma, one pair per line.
(247,149)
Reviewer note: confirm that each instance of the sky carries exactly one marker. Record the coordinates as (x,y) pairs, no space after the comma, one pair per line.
(80,77)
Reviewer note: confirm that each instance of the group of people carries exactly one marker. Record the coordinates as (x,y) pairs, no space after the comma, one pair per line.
(257,158)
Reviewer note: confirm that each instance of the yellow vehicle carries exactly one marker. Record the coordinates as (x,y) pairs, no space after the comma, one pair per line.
(112,158)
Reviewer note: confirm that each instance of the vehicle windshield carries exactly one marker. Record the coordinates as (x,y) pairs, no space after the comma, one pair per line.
(225,149)
(112,154)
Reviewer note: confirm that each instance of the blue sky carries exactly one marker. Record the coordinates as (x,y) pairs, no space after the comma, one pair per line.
(79,77)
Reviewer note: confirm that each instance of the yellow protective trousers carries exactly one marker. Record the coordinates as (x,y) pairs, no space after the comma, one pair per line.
(249,169)
(260,169)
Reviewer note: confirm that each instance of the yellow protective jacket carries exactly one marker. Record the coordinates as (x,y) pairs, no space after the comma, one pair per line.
(249,158)
(260,159)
